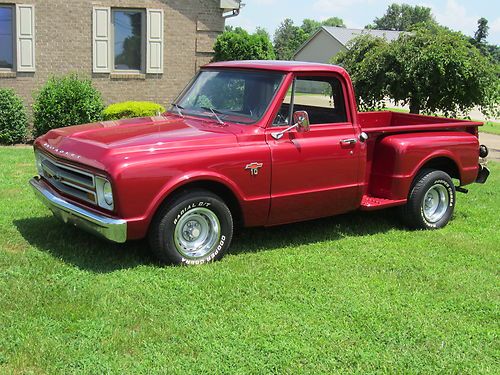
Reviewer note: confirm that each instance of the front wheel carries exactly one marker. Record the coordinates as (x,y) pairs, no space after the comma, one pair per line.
(194,228)
(431,200)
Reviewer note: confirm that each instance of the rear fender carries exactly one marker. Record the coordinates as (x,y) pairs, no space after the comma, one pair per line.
(398,158)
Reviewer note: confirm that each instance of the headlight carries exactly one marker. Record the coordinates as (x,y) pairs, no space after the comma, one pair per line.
(107,193)
(104,192)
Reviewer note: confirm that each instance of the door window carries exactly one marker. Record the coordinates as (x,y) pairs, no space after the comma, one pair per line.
(321,97)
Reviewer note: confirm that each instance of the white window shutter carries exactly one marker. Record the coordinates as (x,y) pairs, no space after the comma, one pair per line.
(154,41)
(101,43)
(25,37)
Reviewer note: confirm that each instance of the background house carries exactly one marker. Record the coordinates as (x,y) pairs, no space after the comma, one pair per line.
(131,49)
(328,41)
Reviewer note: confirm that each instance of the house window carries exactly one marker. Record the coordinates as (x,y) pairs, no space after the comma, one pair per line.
(6,37)
(129,39)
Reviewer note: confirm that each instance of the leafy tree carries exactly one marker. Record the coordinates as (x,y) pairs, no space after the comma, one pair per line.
(310,26)
(263,32)
(365,61)
(235,29)
(492,51)
(240,45)
(288,39)
(431,69)
(403,17)
(482,31)
(333,21)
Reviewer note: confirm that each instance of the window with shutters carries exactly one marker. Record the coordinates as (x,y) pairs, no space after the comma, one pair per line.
(17,37)
(6,37)
(127,40)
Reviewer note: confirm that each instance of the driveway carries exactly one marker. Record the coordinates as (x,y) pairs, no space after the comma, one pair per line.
(491,141)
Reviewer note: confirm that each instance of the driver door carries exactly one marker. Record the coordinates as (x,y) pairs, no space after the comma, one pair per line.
(314,173)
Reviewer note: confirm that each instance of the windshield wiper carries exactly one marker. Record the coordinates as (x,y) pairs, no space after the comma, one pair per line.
(178,108)
(214,111)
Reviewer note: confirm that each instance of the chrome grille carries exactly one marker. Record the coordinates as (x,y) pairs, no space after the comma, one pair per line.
(69,180)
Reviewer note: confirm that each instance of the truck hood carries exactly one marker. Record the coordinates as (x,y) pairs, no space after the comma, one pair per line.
(93,144)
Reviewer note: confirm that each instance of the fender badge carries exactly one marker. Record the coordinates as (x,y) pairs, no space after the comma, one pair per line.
(254,168)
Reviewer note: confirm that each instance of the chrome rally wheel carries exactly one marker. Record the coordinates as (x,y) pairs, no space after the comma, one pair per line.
(196,233)
(435,203)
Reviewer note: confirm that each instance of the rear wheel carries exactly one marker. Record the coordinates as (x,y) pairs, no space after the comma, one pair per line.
(431,200)
(194,228)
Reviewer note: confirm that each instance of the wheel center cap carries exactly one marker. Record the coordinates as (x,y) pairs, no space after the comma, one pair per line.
(195,232)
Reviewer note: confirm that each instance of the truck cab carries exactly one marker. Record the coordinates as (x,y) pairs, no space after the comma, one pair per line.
(253,143)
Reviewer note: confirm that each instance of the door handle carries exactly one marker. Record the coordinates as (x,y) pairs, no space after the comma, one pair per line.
(348,141)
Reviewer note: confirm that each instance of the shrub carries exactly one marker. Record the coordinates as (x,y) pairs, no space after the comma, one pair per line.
(13,118)
(132,109)
(65,101)
(240,45)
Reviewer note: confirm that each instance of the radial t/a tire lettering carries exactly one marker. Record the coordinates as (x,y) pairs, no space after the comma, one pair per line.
(195,227)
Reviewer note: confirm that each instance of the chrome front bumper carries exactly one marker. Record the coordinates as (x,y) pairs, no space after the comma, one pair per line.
(112,229)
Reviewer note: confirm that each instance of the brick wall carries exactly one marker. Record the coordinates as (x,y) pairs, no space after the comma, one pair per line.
(63,30)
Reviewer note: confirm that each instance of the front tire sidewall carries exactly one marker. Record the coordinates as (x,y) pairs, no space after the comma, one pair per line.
(166,249)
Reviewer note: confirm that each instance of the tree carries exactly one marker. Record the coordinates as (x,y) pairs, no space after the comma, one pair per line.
(333,21)
(240,45)
(310,26)
(482,31)
(288,39)
(491,51)
(403,17)
(431,69)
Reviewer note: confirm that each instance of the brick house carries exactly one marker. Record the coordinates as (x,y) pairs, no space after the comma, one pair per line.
(131,49)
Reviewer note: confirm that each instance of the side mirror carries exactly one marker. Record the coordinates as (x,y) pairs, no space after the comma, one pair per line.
(301,122)
(301,118)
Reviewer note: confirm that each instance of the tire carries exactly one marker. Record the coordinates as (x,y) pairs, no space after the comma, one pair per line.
(431,200)
(195,227)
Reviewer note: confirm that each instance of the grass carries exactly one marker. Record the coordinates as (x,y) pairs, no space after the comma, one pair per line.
(356,293)
(491,127)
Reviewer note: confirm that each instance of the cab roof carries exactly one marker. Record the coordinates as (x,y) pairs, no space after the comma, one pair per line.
(278,65)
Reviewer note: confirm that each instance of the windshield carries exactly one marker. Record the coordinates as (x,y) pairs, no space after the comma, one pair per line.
(230,95)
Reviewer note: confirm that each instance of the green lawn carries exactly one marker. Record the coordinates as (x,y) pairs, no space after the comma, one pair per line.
(352,294)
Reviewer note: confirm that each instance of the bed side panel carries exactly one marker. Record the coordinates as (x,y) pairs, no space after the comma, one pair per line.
(398,158)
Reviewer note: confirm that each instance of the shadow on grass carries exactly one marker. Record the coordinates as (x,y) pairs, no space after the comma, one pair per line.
(90,253)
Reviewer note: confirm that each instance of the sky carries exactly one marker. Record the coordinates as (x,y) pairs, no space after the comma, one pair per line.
(460,15)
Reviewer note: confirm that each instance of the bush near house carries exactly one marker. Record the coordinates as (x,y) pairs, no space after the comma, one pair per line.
(132,109)
(13,118)
(65,101)
(240,45)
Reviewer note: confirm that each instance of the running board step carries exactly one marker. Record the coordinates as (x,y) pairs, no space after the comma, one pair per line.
(373,203)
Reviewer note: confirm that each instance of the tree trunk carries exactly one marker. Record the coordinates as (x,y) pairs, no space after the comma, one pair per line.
(414,107)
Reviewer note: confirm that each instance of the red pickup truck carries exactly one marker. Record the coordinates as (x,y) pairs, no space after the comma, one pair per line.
(253,143)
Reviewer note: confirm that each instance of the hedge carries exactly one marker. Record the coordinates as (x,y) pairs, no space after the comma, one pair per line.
(132,109)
